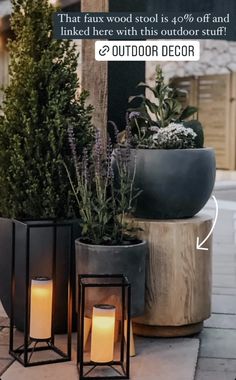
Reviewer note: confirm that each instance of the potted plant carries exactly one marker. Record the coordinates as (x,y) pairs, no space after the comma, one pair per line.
(40,101)
(108,244)
(176,175)
(173,169)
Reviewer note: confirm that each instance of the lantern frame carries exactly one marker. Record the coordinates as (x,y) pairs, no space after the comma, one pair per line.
(124,361)
(29,347)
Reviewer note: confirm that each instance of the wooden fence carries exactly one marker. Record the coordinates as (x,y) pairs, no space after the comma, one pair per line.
(215,97)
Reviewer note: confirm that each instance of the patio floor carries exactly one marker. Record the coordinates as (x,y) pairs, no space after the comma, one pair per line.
(173,359)
(217,355)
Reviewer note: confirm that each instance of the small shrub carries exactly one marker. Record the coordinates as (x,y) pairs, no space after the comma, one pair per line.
(40,101)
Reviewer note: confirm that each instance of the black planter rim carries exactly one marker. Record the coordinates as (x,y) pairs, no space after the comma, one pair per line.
(40,220)
(174,150)
(109,247)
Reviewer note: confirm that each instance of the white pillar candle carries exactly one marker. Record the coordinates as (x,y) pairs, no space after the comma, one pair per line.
(87,328)
(41,308)
(103,333)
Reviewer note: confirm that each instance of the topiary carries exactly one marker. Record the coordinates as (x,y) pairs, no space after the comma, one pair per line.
(40,101)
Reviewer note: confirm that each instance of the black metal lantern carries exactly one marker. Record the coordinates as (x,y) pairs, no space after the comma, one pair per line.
(38,344)
(104,309)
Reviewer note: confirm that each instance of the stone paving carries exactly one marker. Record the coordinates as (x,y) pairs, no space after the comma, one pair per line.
(217,354)
(156,359)
(5,359)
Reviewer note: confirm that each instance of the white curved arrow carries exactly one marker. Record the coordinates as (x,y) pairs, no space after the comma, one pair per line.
(198,244)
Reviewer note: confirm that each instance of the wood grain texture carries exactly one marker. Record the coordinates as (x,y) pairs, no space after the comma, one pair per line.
(232,121)
(95,73)
(167,331)
(179,277)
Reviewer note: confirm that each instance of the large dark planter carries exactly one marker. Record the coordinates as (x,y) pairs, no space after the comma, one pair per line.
(40,265)
(129,260)
(175,183)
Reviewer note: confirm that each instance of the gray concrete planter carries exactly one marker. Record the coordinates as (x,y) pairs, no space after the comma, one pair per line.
(176,183)
(40,264)
(129,260)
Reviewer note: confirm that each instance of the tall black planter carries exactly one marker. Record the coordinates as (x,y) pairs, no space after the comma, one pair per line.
(129,260)
(41,264)
(175,183)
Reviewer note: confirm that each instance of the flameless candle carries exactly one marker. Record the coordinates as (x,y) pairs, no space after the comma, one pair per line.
(41,308)
(103,333)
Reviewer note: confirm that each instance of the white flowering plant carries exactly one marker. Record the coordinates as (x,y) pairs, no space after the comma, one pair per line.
(174,136)
(162,123)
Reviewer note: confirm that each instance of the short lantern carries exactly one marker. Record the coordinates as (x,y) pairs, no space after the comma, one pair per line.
(103,345)
(38,338)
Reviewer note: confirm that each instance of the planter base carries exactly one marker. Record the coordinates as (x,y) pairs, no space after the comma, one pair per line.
(178,278)
(129,260)
(167,331)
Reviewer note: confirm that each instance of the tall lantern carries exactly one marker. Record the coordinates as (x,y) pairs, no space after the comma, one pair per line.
(103,345)
(39,299)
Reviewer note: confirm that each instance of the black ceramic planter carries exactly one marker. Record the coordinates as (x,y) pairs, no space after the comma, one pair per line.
(40,265)
(175,183)
(129,260)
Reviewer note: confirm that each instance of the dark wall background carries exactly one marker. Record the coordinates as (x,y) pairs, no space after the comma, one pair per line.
(123,77)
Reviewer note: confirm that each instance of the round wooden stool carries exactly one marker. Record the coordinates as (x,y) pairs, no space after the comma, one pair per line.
(179,277)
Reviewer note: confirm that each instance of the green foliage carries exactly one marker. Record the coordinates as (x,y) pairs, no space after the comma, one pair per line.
(159,111)
(102,203)
(165,108)
(39,104)
(196,126)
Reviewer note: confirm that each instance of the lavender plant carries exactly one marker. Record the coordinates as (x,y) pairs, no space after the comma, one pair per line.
(102,204)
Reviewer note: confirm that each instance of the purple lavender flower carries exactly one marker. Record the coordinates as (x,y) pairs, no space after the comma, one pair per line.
(109,159)
(129,138)
(134,115)
(85,165)
(115,129)
(98,153)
